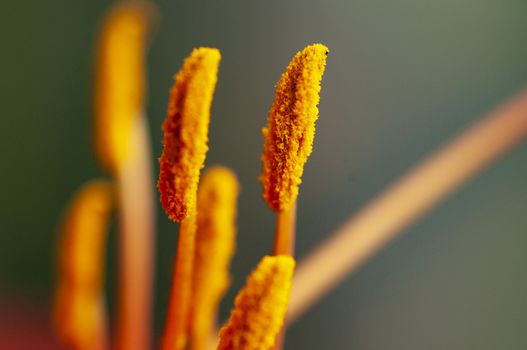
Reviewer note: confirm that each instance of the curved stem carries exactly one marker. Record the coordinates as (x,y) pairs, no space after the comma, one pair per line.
(408,199)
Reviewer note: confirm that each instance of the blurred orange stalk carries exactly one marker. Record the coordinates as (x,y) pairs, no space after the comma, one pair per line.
(136,242)
(122,145)
(407,200)
(214,248)
(79,313)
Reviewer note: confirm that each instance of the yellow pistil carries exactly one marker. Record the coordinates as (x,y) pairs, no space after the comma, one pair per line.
(119,78)
(78,316)
(260,307)
(215,240)
(185,132)
(291,129)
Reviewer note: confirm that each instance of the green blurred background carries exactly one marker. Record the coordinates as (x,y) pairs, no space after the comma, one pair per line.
(403,76)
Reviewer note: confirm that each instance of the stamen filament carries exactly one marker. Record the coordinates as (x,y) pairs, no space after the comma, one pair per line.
(136,247)
(175,335)
(122,146)
(284,243)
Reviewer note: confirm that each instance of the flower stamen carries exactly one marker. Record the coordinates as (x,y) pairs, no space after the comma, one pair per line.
(79,316)
(185,146)
(260,306)
(215,240)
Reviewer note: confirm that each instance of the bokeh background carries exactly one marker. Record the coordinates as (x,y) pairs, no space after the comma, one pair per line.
(403,76)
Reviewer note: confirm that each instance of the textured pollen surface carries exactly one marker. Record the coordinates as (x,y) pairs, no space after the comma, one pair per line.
(185,132)
(260,307)
(215,240)
(80,265)
(291,126)
(120,74)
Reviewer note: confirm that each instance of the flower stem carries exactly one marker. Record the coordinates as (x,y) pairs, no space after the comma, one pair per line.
(407,200)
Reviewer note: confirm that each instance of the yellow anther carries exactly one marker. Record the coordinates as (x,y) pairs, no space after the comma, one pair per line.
(291,126)
(260,307)
(215,241)
(186,132)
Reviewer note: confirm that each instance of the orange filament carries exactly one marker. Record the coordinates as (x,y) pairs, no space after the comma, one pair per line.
(285,231)
(260,307)
(175,336)
(215,240)
(185,132)
(120,78)
(78,316)
(136,245)
(291,126)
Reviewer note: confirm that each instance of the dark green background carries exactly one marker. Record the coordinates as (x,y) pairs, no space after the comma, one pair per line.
(403,76)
